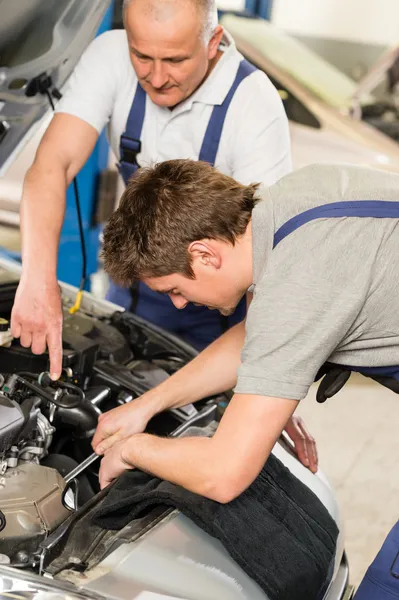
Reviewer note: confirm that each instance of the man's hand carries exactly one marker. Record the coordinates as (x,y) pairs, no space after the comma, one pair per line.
(36,319)
(304,444)
(113,464)
(221,467)
(119,423)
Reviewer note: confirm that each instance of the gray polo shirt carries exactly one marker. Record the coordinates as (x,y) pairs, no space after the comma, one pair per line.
(328,291)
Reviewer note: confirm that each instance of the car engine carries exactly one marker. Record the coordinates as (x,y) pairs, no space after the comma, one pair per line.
(46,427)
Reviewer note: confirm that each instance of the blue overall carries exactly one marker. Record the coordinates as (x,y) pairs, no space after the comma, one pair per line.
(197,325)
(381,581)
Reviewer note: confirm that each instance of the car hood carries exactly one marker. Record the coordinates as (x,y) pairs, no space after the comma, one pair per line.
(38,37)
(355,141)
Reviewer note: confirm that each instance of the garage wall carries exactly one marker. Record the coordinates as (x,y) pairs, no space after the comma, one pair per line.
(367,21)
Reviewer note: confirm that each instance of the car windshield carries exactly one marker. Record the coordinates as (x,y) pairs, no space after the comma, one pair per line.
(316,74)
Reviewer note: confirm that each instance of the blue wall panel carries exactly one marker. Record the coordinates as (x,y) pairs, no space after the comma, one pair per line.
(70,254)
(259,8)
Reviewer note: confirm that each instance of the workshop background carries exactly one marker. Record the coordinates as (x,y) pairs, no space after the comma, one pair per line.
(357,431)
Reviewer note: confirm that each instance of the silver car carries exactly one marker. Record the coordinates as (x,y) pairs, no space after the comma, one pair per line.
(49,549)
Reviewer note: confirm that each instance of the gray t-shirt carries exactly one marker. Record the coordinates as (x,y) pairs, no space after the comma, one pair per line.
(328,291)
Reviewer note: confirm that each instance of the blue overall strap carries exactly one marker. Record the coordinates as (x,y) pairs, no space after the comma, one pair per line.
(388,376)
(392,371)
(378,209)
(213,132)
(130,143)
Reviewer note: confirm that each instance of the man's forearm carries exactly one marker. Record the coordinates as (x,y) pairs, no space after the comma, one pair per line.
(213,371)
(188,462)
(64,149)
(42,214)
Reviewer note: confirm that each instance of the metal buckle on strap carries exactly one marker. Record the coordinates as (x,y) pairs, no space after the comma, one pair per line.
(130,148)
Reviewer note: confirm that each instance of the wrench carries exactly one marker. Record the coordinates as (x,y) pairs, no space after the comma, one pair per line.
(80,468)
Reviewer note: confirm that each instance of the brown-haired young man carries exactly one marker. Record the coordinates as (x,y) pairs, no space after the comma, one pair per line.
(320,249)
(321,255)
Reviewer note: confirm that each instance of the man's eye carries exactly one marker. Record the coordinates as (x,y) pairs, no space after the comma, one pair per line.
(176,61)
(139,56)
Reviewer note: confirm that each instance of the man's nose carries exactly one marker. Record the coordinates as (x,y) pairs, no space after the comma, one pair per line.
(179,301)
(159,76)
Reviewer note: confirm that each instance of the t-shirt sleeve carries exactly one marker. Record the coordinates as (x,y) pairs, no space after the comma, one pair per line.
(260,136)
(304,308)
(90,93)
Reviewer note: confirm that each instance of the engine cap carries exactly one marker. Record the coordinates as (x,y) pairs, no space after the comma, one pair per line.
(4,324)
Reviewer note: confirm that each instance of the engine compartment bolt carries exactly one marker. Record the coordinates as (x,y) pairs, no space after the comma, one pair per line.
(22,557)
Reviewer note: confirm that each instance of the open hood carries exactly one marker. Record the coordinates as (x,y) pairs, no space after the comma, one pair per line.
(39,38)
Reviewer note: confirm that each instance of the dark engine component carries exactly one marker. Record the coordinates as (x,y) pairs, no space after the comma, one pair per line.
(110,342)
(84,340)
(136,377)
(8,288)
(81,419)
(46,427)
(32,409)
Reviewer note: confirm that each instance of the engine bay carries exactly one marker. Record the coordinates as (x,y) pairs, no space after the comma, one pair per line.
(46,427)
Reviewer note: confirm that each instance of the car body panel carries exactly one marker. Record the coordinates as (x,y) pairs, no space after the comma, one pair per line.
(43,36)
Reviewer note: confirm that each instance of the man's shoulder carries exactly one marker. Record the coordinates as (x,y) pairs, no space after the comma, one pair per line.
(333,182)
(257,96)
(255,85)
(110,47)
(258,86)
(114,39)
(110,50)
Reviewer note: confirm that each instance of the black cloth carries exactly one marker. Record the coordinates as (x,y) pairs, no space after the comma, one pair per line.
(278,531)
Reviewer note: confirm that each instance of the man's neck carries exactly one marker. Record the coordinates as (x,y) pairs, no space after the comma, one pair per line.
(212,65)
(243,257)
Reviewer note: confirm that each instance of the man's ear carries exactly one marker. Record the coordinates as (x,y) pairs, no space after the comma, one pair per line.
(206,253)
(214,42)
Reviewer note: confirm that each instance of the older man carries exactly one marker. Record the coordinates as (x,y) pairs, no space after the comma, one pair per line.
(172,85)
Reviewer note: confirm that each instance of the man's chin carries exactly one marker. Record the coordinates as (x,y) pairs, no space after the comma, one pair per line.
(226,312)
(168,98)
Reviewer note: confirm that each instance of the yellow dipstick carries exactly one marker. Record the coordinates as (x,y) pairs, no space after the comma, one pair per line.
(77,304)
